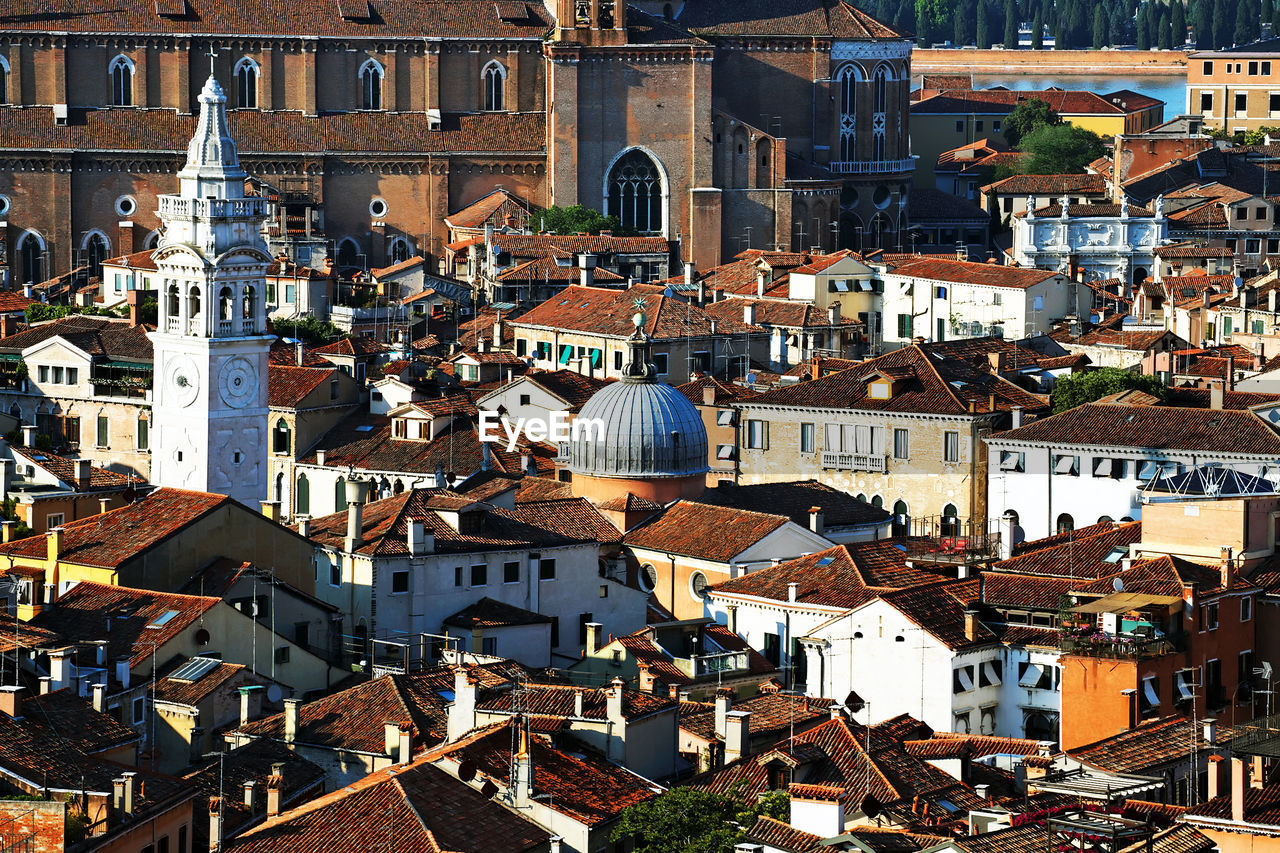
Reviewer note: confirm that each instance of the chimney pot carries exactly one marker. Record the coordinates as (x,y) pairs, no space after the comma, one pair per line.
(11,701)
(292,711)
(1238,790)
(817,520)
(99,698)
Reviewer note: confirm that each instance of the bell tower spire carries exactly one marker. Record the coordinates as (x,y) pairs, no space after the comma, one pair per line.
(211,347)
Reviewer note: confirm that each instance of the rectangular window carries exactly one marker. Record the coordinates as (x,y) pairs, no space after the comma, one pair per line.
(1246,609)
(1253,69)
(489,646)
(660,363)
(758,434)
(977,126)
(995,125)
(290,293)
(457,575)
(991,673)
(1213,692)
(772,649)
(583,620)
(1036,676)
(54,519)
(1252,247)
(901,444)
(73,376)
(43,372)
(144,434)
(724,418)
(511,571)
(1011,461)
(1149,696)
(104,433)
(480,574)
(547,570)
(335,572)
(617,359)
(282,654)
(1208,67)
(555,631)
(1259,212)
(139,709)
(1266,67)
(962,679)
(904,325)
(960,126)
(522,347)
(1209,617)
(806,438)
(951,446)
(1067,465)
(1242,103)
(1206,102)
(400,581)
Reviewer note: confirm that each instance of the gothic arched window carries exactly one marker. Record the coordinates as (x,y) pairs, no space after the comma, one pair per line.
(280,437)
(247,83)
(371,85)
(401,251)
(121,70)
(4,80)
(302,495)
(31,254)
(881,85)
(493,78)
(96,250)
(635,192)
(225,300)
(348,253)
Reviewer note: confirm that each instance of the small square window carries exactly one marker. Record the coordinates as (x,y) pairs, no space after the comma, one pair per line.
(57,376)
(960,127)
(400,581)
(524,399)
(660,363)
(977,126)
(43,372)
(547,570)
(282,654)
(480,575)
(511,571)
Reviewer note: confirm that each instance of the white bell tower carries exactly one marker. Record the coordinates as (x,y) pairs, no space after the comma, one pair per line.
(211,346)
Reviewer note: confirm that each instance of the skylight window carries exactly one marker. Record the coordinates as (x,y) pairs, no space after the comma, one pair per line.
(195,669)
(165,619)
(826,561)
(1116,555)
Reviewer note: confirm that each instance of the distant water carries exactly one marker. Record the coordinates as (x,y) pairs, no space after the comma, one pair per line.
(1171,89)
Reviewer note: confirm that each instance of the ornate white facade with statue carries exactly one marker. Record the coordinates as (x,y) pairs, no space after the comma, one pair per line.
(210,346)
(1102,240)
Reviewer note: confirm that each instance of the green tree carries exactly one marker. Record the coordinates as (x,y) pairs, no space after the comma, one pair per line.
(1060,149)
(932,16)
(1248,17)
(575,219)
(1026,117)
(1164,37)
(149,312)
(1080,388)
(1144,27)
(982,34)
(1099,27)
(1010,25)
(686,819)
(1178,24)
(1118,24)
(1221,24)
(308,329)
(1037,31)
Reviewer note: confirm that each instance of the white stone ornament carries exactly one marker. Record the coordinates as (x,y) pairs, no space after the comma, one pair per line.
(238,382)
(182,379)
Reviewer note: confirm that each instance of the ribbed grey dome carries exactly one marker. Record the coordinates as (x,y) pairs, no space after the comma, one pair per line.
(650,430)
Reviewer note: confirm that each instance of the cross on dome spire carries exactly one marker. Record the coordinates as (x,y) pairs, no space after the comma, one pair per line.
(639,367)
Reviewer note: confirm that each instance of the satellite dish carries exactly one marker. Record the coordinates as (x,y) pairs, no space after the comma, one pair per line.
(467,770)
(202,637)
(1118,584)
(870,806)
(488,788)
(751,379)
(854,702)
(668,292)
(274,693)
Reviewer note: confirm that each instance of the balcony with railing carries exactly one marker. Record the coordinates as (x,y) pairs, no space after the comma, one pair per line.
(121,379)
(949,540)
(1121,646)
(177,207)
(871,167)
(840,461)
(1121,625)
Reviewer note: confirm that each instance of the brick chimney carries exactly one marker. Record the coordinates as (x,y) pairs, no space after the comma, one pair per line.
(1227,567)
(11,701)
(723,702)
(215,824)
(274,783)
(1131,696)
(737,735)
(970,624)
(1239,788)
(292,713)
(1216,773)
(817,521)
(84,473)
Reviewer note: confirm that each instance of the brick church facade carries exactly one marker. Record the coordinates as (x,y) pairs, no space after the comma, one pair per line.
(724,123)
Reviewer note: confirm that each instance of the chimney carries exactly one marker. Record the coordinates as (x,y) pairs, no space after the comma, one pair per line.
(11,701)
(129,791)
(298,354)
(593,636)
(117,795)
(737,735)
(246,693)
(690,272)
(1226,567)
(195,750)
(833,314)
(1210,730)
(292,711)
(497,331)
(708,394)
(8,325)
(404,741)
(391,739)
(45,684)
(1271,301)
(271,510)
(816,520)
(420,540)
(792,589)
(970,624)
(823,817)
(578,699)
(462,713)
(586,269)
(104,505)
(1238,790)
(749,313)
(760,283)
(123,671)
(215,824)
(723,702)
(1131,696)
(1016,412)
(320,457)
(99,696)
(28,435)
(6,530)
(84,473)
(1231,373)
(524,772)
(613,703)
(1216,772)
(357,490)
(55,544)
(273,790)
(248,794)
(1216,397)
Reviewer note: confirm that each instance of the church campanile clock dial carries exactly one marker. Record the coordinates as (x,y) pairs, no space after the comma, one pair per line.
(238,382)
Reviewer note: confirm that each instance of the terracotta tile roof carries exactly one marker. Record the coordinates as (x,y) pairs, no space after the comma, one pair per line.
(570,386)
(795,499)
(1077,554)
(1191,250)
(587,789)
(757,18)
(12,302)
(287,387)
(488,613)
(701,530)
(1261,806)
(931,386)
(352,346)
(1162,427)
(492,207)
(1090,209)
(395,269)
(939,609)
(977,353)
(414,807)
(365,442)
(608,312)
(121,616)
(573,517)
(781,836)
(94,335)
(984,745)
(933,205)
(112,538)
(1064,102)
(1179,838)
(1029,591)
(772,715)
(724,392)
(740,275)
(64,716)
(538,245)
(182,692)
(1135,341)
(541,489)
(969,272)
(386,524)
(65,469)
(285,354)
(249,763)
(547,269)
(777,312)
(1048,185)
(1149,747)
(27,635)
(559,700)
(265,132)
(845,576)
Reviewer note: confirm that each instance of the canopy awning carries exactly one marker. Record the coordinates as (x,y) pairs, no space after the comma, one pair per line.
(1123,602)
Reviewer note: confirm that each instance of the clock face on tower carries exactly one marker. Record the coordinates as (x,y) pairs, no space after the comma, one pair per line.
(238,382)
(182,380)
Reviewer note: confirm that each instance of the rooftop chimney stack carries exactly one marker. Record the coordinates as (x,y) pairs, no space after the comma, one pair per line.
(1216,774)
(11,701)
(357,491)
(249,786)
(129,792)
(587,269)
(274,782)
(99,697)
(723,702)
(292,713)
(404,742)
(462,713)
(970,624)
(737,735)
(215,824)
(1227,567)
(1238,789)
(84,474)
(817,521)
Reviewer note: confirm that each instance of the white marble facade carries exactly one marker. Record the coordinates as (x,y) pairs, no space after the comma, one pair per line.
(1104,241)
